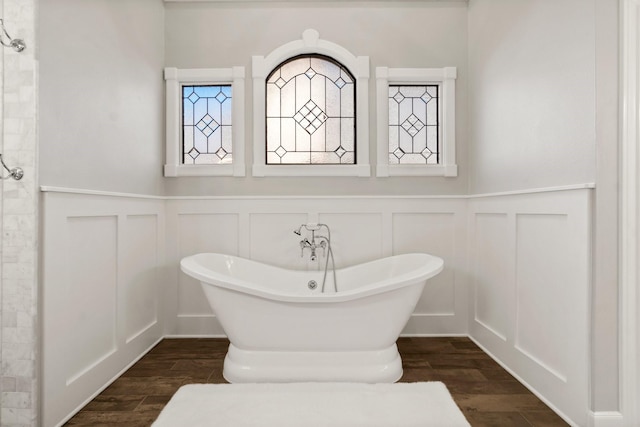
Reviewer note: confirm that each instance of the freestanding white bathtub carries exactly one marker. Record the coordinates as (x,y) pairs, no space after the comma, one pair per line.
(282,331)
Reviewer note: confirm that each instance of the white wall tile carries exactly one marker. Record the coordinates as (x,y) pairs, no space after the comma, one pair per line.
(19,220)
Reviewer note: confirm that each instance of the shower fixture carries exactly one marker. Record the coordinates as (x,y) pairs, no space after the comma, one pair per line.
(17,44)
(15,173)
(324,244)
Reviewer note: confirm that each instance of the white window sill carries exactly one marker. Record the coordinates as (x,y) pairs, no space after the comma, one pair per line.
(416,170)
(203,170)
(311,170)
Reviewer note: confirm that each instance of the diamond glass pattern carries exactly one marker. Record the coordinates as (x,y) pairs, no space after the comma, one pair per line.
(310,112)
(206,124)
(310,117)
(414,124)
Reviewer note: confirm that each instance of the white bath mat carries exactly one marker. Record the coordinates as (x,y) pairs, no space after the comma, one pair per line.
(312,404)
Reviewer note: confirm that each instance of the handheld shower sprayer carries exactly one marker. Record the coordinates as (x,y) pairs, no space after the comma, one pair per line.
(313,227)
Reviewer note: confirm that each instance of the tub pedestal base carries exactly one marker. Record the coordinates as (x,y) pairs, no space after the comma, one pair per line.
(377,366)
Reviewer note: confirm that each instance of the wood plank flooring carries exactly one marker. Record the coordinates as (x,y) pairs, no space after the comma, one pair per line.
(486,393)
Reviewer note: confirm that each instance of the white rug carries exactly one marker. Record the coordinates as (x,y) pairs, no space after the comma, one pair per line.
(312,404)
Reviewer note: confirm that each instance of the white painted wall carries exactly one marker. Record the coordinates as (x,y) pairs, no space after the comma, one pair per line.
(532,94)
(543,104)
(402,34)
(102,94)
(101,59)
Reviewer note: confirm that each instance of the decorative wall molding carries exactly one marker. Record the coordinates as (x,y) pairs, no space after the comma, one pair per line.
(101,294)
(630,214)
(503,255)
(530,279)
(314,1)
(85,192)
(54,189)
(606,419)
(362,229)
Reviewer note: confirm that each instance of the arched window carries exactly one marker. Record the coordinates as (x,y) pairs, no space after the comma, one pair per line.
(310,112)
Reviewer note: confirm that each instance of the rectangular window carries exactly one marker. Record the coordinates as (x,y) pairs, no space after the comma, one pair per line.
(207,125)
(205,122)
(416,122)
(414,125)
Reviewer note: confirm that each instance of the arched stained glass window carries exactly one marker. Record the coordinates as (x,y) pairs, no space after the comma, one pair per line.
(310,112)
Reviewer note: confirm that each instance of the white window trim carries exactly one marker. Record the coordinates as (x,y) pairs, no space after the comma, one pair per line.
(175,78)
(358,66)
(446,79)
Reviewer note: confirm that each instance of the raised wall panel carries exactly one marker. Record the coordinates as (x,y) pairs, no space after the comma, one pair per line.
(531,255)
(432,233)
(362,230)
(492,278)
(140,274)
(91,292)
(202,232)
(526,256)
(356,237)
(274,242)
(99,294)
(544,290)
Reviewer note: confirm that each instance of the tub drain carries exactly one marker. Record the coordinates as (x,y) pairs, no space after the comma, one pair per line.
(312,284)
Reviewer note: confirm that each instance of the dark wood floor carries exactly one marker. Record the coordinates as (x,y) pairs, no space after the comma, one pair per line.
(486,393)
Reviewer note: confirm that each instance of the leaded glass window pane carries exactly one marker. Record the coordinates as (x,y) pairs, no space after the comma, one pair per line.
(414,125)
(206,125)
(311,113)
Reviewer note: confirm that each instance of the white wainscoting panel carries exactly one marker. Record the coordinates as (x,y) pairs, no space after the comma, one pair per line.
(531,283)
(516,277)
(362,229)
(442,232)
(141,258)
(272,233)
(356,237)
(101,258)
(544,290)
(492,267)
(200,232)
(90,291)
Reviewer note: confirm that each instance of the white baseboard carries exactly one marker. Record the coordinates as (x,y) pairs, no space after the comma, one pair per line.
(606,419)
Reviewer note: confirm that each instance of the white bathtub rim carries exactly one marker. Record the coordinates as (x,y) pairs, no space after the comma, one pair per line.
(433,266)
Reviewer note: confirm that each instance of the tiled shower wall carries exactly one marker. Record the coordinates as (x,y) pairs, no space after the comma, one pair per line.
(18,342)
